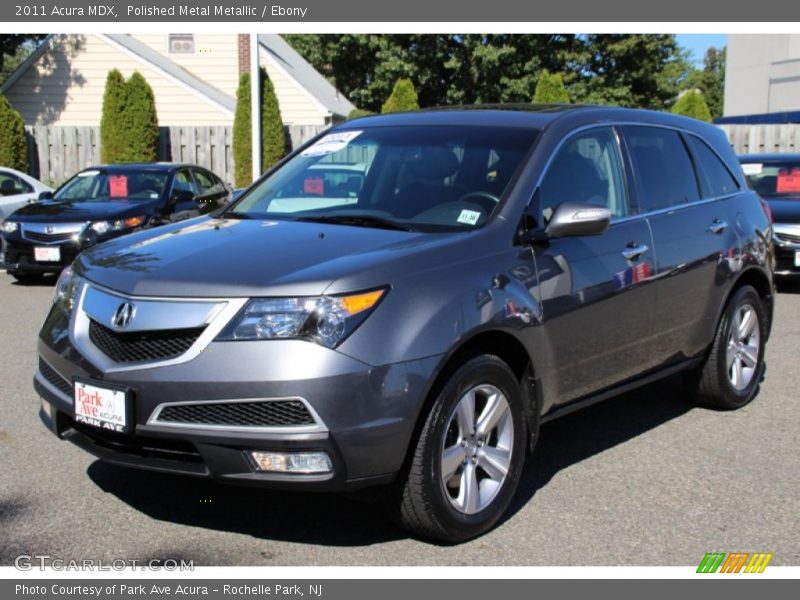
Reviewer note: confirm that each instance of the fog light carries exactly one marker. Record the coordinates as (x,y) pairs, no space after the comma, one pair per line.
(292,462)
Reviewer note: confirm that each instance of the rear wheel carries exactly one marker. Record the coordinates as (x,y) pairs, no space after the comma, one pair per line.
(467,462)
(730,377)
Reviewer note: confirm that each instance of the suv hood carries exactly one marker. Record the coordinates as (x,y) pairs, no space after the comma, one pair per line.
(208,257)
(50,211)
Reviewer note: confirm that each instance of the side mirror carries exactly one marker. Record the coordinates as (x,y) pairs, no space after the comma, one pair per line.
(577,218)
(46,195)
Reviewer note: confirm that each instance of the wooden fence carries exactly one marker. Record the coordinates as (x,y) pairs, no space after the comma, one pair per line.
(57,153)
(752,139)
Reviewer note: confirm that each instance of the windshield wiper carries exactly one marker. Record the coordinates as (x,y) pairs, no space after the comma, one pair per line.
(357,221)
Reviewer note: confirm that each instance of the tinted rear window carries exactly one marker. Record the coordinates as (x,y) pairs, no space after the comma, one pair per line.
(662,167)
(781,178)
(715,178)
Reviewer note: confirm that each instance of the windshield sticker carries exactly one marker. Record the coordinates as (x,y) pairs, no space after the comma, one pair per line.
(470,217)
(88,173)
(752,168)
(314,186)
(788,181)
(117,186)
(331,143)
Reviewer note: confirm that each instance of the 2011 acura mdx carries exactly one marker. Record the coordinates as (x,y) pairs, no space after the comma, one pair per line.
(405,299)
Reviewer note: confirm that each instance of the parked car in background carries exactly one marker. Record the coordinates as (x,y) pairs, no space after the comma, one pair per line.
(101,203)
(493,269)
(776,177)
(18,189)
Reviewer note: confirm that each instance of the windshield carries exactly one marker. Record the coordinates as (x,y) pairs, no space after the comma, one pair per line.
(774,178)
(96,186)
(422,178)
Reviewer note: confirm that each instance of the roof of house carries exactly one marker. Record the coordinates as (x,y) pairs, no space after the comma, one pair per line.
(165,64)
(278,49)
(304,74)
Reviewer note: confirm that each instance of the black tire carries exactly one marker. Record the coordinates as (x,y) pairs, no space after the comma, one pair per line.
(711,385)
(420,501)
(28,278)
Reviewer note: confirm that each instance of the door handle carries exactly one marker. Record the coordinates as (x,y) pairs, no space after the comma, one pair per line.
(717,226)
(634,251)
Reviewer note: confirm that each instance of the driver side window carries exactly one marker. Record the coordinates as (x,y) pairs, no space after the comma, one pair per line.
(588,169)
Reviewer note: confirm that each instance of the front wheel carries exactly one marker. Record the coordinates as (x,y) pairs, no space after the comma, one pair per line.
(730,377)
(469,456)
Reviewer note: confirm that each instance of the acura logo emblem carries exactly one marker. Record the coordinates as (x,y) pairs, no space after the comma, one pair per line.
(49,229)
(123,315)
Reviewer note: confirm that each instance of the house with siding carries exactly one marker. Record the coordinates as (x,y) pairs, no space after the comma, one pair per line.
(194,78)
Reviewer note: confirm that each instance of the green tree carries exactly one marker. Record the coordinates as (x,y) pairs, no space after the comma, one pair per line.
(359,112)
(402,99)
(13,146)
(692,104)
(242,145)
(711,80)
(550,89)
(111,142)
(273,137)
(14,49)
(631,70)
(139,123)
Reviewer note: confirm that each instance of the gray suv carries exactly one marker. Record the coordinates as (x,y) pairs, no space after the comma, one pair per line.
(404,301)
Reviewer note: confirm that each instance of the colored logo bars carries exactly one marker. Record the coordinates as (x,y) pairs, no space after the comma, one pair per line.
(734,562)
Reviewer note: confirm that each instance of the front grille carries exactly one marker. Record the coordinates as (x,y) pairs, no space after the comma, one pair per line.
(53,378)
(139,346)
(788,237)
(49,238)
(261,413)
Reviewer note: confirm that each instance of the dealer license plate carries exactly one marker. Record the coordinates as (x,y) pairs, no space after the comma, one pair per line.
(101,406)
(44,254)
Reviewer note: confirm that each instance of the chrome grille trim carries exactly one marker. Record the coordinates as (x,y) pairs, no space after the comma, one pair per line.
(215,315)
(50,233)
(317,427)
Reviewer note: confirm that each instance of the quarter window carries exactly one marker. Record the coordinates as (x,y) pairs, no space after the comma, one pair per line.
(662,168)
(586,169)
(715,178)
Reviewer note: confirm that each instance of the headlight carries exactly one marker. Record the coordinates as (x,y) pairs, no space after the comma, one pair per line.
(8,227)
(326,320)
(66,290)
(103,227)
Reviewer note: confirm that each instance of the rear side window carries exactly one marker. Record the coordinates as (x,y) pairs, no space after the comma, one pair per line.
(662,168)
(715,178)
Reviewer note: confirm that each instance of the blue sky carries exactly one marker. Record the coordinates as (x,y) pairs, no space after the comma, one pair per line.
(698,43)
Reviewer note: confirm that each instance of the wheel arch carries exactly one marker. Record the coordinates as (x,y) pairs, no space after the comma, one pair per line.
(497,342)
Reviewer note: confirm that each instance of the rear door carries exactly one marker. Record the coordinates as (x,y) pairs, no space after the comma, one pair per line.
(597,300)
(684,196)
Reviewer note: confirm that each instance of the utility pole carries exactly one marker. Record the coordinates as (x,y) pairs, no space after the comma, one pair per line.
(255,105)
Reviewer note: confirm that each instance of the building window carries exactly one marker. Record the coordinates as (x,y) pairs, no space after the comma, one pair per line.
(181,43)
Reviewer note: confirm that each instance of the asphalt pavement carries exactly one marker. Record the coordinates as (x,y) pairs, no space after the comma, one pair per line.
(643,479)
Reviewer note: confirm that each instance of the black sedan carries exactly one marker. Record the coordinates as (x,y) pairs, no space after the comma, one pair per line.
(776,177)
(101,203)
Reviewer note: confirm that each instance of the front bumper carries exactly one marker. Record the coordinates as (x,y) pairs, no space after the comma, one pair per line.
(365,415)
(786,239)
(19,257)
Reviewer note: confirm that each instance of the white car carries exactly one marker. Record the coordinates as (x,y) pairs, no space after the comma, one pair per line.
(18,189)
